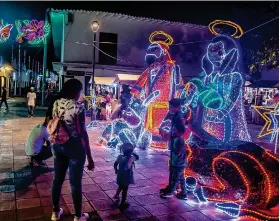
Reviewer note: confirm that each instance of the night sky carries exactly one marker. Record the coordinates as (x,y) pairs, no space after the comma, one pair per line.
(246,14)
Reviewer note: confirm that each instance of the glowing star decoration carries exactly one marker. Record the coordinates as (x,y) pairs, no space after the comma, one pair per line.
(265,112)
(238,30)
(271,126)
(5,31)
(35,32)
(228,122)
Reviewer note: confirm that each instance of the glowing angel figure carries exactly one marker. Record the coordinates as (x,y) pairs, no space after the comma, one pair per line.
(33,31)
(5,31)
(240,176)
(228,123)
(162,75)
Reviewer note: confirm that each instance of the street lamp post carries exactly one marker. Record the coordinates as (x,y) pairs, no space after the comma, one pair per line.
(94,27)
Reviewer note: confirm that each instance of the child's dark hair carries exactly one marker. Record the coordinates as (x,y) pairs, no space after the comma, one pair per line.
(180,127)
(127,149)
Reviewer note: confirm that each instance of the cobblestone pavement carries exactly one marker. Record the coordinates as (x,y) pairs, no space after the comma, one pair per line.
(25,192)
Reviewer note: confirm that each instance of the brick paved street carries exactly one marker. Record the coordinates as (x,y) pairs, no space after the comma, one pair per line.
(25,193)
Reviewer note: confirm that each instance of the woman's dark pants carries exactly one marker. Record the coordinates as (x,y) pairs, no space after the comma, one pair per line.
(70,155)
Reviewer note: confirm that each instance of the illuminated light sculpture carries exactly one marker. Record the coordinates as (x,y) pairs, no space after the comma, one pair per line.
(246,175)
(35,32)
(271,126)
(233,170)
(5,31)
(131,128)
(228,123)
(238,30)
(159,83)
(275,135)
(232,209)
(162,75)
(191,186)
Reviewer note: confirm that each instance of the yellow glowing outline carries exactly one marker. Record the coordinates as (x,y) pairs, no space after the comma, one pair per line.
(88,99)
(267,119)
(169,40)
(237,27)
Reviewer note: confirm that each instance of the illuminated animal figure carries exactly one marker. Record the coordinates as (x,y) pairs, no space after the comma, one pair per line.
(162,75)
(131,128)
(227,123)
(5,31)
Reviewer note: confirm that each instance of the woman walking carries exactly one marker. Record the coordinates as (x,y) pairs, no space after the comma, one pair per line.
(70,147)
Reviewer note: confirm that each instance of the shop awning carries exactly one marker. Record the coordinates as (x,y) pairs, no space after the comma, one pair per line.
(247,83)
(126,78)
(264,84)
(103,80)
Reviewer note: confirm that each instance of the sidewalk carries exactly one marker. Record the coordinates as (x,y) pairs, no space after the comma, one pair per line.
(25,194)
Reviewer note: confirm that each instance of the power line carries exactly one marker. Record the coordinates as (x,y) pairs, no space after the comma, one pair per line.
(110,55)
(181,43)
(86,44)
(191,42)
(260,25)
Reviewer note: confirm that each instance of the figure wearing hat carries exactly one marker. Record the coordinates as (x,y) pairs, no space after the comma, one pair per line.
(161,75)
(31,102)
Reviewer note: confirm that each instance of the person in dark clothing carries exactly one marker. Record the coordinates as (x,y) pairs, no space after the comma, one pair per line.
(124,170)
(125,99)
(4,98)
(176,117)
(178,161)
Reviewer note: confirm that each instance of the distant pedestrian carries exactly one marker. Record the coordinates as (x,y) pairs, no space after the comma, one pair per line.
(276,98)
(124,170)
(31,102)
(35,147)
(48,95)
(4,98)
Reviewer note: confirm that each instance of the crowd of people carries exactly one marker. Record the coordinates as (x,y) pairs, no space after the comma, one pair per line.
(107,107)
(63,135)
(265,99)
(66,138)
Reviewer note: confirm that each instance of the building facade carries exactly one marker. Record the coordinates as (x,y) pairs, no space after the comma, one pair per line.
(121,43)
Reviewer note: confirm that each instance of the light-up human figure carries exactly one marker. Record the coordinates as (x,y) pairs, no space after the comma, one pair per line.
(240,176)
(228,123)
(159,83)
(162,75)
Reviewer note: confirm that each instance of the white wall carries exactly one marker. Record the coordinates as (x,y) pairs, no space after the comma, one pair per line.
(136,34)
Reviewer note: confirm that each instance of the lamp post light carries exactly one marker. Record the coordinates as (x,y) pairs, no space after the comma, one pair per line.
(94,28)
